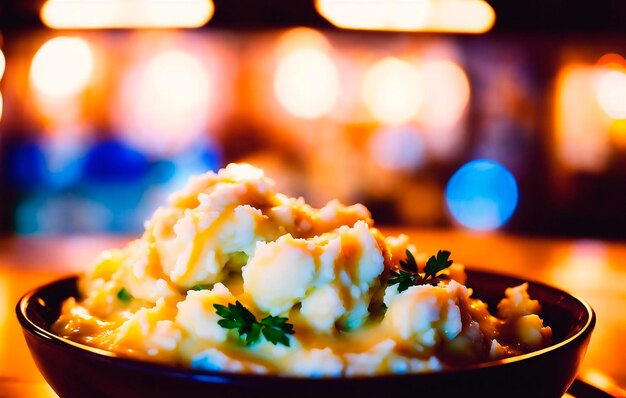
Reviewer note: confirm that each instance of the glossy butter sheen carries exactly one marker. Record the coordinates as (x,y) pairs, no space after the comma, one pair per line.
(229,236)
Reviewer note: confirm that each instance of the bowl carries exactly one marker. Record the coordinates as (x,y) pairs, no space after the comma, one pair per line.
(76,370)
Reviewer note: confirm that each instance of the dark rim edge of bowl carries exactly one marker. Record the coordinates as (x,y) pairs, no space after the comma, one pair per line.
(182,372)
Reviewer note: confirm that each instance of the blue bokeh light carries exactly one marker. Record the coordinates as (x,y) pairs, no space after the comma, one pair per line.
(114,161)
(28,168)
(482,195)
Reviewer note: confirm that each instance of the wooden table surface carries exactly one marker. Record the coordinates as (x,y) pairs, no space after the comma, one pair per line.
(593,270)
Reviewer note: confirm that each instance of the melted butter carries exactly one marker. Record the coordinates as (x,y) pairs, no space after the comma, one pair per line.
(78,324)
(200,244)
(83,329)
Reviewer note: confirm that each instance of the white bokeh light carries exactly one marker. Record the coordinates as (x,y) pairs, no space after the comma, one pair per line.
(400,15)
(611,93)
(447,91)
(165,103)
(98,14)
(393,91)
(306,83)
(62,67)
(2,64)
(468,16)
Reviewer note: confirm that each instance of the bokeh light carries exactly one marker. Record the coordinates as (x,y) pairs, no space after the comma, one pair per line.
(574,261)
(397,148)
(64,160)
(113,161)
(165,103)
(611,93)
(62,67)
(306,83)
(299,38)
(97,14)
(54,165)
(618,133)
(447,90)
(381,15)
(393,91)
(468,16)
(2,64)
(611,61)
(28,168)
(582,139)
(482,195)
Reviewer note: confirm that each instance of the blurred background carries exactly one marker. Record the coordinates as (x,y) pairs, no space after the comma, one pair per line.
(499,115)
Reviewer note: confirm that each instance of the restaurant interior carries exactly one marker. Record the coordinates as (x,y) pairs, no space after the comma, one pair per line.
(495,128)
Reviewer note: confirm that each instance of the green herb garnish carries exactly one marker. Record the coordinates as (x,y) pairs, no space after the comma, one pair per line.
(236,316)
(124,295)
(408,274)
(436,264)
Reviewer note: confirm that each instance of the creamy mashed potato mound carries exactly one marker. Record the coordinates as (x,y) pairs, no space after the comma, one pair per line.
(230,237)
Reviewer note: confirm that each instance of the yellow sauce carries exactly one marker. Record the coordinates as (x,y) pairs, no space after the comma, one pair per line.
(230,237)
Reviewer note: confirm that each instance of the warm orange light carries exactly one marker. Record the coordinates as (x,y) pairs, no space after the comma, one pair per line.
(97,14)
(466,16)
(2,64)
(618,132)
(582,139)
(5,299)
(165,103)
(301,37)
(577,259)
(447,93)
(611,60)
(611,93)
(603,381)
(41,390)
(62,67)
(393,91)
(306,83)
(376,14)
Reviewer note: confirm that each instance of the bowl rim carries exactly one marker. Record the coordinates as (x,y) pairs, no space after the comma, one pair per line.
(182,372)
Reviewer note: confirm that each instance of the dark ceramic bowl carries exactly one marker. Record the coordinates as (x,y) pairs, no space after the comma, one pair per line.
(75,370)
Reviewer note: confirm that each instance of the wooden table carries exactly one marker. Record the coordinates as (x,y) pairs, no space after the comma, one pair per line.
(592,270)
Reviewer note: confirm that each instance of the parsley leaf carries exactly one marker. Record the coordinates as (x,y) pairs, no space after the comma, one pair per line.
(436,264)
(124,295)
(274,328)
(408,274)
(409,264)
(403,279)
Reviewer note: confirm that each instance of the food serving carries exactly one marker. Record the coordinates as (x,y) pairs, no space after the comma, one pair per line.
(233,276)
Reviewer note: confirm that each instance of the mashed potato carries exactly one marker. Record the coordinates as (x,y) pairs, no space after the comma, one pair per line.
(230,237)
